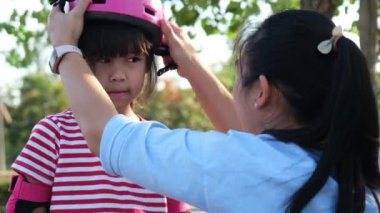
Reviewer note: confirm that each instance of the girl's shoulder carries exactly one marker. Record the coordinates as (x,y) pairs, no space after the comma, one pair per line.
(67,114)
(62,118)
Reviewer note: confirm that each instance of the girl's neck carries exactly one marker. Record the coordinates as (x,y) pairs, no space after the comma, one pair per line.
(130,113)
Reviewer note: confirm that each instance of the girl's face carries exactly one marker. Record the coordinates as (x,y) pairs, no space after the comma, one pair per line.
(121,77)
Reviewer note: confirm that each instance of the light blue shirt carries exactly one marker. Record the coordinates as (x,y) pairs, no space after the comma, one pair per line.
(216,172)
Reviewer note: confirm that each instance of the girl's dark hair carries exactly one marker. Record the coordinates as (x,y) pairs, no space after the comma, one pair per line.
(108,39)
(330,95)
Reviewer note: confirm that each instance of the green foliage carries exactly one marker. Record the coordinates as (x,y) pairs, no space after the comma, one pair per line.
(29,42)
(4,194)
(176,108)
(228,76)
(212,15)
(40,95)
(278,6)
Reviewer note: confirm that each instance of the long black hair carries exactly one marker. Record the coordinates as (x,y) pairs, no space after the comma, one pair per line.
(330,95)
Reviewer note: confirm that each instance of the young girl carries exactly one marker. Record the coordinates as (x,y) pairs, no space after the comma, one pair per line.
(56,170)
(305,100)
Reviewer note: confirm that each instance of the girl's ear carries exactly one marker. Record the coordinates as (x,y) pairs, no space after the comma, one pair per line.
(265,92)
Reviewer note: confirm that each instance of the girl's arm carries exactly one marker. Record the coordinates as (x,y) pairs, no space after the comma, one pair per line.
(28,195)
(216,100)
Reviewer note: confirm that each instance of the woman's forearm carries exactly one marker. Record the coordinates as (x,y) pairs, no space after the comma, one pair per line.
(216,100)
(90,103)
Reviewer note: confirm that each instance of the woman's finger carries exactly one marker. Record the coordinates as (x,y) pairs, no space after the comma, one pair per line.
(54,10)
(81,7)
(167,30)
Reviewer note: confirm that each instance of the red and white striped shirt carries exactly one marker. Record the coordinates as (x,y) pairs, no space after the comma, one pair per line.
(57,155)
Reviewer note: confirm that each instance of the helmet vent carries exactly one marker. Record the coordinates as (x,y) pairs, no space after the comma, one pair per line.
(98,1)
(150,11)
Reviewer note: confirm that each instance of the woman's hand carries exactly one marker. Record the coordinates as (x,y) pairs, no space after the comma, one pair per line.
(181,50)
(66,28)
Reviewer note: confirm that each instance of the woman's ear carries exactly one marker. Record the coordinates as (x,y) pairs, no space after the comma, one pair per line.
(265,92)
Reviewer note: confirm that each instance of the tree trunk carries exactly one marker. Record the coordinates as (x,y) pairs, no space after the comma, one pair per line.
(368,32)
(3,164)
(4,117)
(325,7)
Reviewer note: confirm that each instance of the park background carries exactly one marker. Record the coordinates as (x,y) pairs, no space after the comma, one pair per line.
(28,91)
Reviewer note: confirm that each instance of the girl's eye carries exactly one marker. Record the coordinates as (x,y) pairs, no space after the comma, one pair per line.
(134,59)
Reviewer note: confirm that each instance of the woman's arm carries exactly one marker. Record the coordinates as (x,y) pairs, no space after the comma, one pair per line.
(90,103)
(216,100)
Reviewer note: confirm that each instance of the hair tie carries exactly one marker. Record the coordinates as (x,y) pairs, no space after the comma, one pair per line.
(326,46)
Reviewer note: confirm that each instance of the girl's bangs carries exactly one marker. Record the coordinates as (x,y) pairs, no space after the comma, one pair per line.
(102,39)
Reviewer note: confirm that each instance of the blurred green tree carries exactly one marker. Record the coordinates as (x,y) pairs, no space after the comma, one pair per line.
(40,95)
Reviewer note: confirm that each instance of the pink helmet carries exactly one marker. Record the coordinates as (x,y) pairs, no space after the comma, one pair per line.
(145,14)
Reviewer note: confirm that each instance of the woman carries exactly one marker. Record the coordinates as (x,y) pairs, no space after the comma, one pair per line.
(303,96)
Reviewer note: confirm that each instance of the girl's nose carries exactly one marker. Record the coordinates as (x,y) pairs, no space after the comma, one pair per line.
(118,73)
